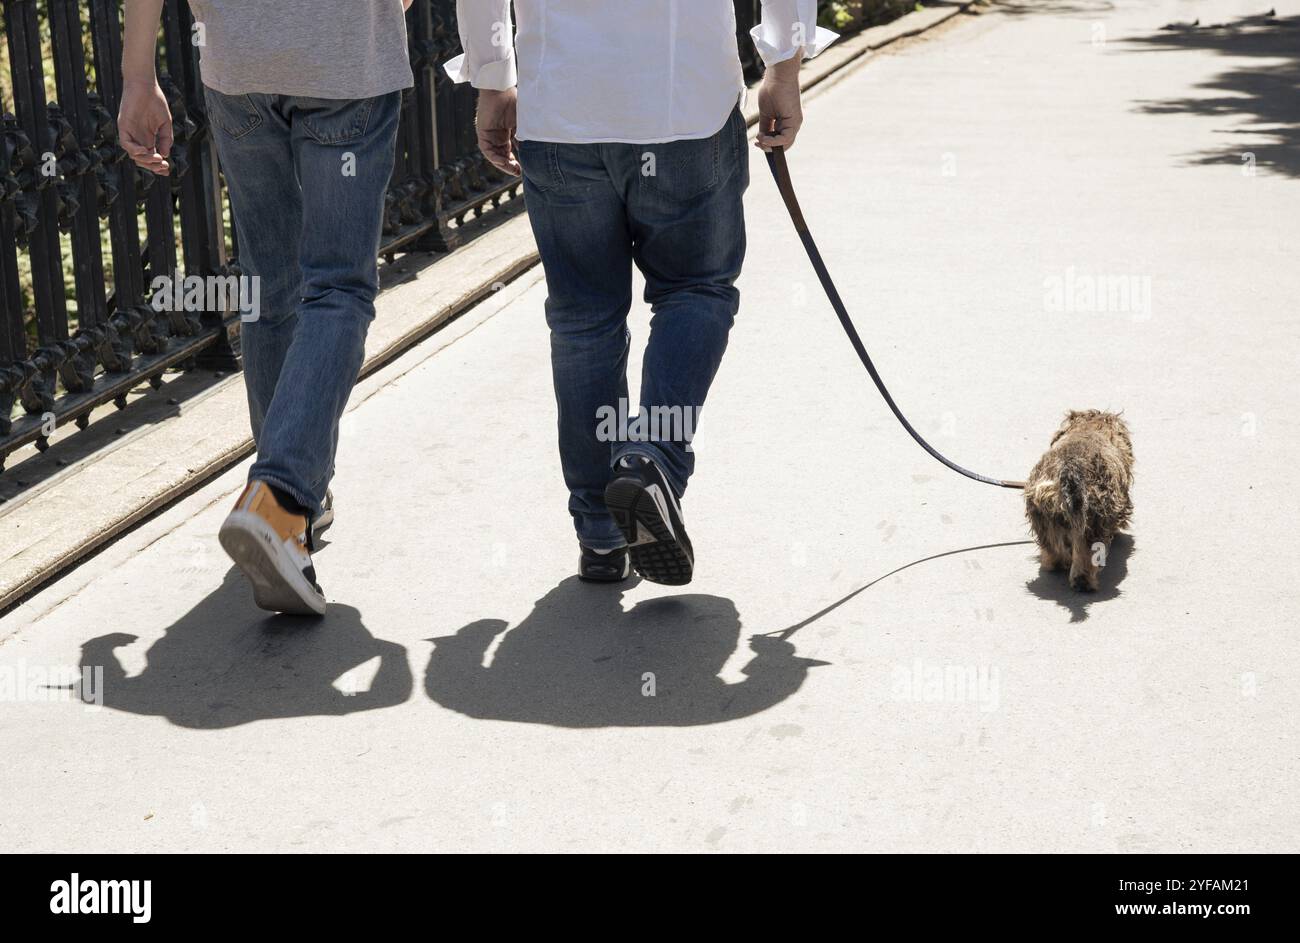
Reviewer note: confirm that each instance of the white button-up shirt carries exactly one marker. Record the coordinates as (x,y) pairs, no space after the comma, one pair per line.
(638,71)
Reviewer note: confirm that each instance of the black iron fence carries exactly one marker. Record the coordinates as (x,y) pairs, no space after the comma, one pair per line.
(84,233)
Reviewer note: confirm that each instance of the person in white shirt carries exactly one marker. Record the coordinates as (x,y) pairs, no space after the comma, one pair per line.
(623,117)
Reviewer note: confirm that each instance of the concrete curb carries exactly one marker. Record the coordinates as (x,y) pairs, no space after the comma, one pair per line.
(99,498)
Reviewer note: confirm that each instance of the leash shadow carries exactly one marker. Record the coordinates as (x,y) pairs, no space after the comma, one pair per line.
(785,633)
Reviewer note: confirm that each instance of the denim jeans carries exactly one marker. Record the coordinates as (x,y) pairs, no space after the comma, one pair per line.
(676,211)
(307,178)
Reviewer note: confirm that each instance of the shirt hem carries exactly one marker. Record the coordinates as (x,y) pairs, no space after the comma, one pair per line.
(303,91)
(680,136)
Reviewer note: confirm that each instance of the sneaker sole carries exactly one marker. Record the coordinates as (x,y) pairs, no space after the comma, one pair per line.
(586,578)
(278,585)
(660,557)
(602,579)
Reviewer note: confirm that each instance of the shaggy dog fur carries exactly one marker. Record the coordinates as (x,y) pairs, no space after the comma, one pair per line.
(1077,496)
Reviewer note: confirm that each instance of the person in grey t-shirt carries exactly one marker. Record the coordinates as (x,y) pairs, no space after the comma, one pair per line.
(316,48)
(303,99)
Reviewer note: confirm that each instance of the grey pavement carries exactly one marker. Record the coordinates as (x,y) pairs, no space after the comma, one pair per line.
(868,658)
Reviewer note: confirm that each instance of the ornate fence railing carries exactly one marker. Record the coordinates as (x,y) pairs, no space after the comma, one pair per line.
(84,233)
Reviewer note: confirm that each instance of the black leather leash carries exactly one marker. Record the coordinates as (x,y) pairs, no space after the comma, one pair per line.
(781,174)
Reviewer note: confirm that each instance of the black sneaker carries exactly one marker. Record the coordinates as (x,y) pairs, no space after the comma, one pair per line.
(612,567)
(646,511)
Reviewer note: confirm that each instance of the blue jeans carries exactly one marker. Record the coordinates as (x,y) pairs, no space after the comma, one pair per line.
(676,210)
(307,178)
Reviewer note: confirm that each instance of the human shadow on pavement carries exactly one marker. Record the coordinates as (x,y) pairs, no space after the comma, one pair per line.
(226,663)
(579,660)
(1054,586)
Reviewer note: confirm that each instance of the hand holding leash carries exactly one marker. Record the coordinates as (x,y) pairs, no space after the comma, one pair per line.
(780,105)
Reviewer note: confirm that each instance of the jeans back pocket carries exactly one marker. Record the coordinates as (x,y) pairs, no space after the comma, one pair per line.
(540,162)
(332,121)
(683,170)
(236,115)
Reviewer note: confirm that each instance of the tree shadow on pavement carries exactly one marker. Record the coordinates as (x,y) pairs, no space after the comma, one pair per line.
(1055,586)
(579,660)
(1089,8)
(1265,93)
(226,663)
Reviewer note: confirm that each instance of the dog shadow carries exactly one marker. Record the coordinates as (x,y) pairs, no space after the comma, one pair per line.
(580,660)
(1054,585)
(227,663)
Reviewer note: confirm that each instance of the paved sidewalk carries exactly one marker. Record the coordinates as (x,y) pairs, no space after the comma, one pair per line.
(465,692)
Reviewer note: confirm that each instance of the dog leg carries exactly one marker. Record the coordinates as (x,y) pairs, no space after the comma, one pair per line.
(1054,547)
(1083,572)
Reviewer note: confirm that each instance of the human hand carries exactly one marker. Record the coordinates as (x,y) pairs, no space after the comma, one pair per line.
(780,107)
(496,128)
(144,125)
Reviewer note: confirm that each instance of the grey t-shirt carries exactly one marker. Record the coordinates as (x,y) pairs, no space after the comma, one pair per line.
(313,48)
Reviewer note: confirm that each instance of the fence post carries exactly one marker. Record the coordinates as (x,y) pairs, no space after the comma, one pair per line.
(438,41)
(130,314)
(77,165)
(198,182)
(38,178)
(748,15)
(13,340)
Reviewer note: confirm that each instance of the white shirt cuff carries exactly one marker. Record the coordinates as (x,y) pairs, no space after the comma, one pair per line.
(780,47)
(498,75)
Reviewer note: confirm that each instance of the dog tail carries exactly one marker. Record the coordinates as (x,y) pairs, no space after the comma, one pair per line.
(1074,498)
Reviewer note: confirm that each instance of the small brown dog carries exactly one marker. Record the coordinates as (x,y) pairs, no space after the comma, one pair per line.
(1077,496)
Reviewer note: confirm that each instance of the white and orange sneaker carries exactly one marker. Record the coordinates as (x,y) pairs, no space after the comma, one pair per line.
(270,545)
